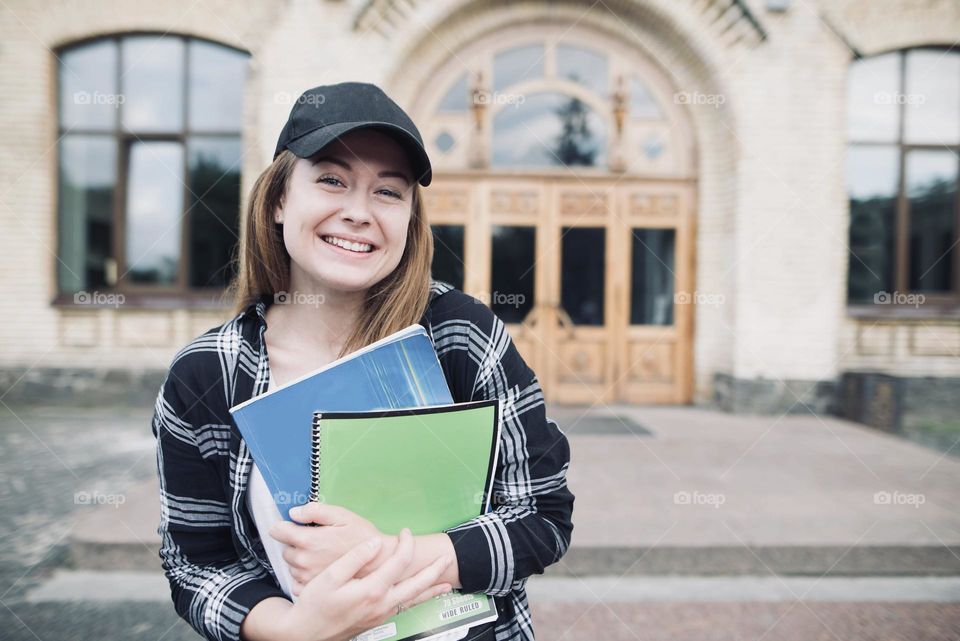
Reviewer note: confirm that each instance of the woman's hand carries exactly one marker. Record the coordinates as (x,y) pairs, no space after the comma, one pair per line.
(310,550)
(338,605)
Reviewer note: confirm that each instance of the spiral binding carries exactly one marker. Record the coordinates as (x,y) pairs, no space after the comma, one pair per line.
(315,452)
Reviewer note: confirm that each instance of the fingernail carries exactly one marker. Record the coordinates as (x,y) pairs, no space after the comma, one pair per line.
(294,511)
(374,543)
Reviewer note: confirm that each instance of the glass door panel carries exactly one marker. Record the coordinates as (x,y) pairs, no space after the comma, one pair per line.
(582,278)
(512,272)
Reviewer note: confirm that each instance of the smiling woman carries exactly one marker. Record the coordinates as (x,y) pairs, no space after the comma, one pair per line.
(358,181)
(345,224)
(336,255)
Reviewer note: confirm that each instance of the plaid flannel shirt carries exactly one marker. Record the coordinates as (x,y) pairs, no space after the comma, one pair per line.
(210,550)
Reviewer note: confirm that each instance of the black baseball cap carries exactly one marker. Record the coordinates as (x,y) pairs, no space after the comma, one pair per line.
(323,114)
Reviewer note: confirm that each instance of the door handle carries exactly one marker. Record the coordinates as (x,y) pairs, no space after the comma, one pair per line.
(530,321)
(563,319)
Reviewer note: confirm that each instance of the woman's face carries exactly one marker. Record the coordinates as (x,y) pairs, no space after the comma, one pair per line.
(346,212)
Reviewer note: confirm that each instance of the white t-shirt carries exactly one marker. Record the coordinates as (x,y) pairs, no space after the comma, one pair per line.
(265,513)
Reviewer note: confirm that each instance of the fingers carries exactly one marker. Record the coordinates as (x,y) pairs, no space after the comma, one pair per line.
(304,562)
(414,587)
(293,557)
(319,513)
(431,592)
(391,570)
(290,534)
(301,575)
(303,536)
(346,567)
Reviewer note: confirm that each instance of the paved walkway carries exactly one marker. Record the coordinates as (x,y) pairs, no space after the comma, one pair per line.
(689,524)
(667,608)
(705,478)
(659,491)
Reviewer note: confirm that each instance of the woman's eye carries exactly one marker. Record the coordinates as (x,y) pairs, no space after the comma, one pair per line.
(330,180)
(391,193)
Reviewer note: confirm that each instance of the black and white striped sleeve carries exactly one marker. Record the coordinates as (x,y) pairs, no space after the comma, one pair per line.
(211,586)
(530,526)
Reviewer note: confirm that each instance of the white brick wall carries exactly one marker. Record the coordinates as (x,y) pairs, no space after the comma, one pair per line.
(772,217)
(790,230)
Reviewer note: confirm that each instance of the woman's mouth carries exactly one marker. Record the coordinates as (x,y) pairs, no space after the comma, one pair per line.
(347,245)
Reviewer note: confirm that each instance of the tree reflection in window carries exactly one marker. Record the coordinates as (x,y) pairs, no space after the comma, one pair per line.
(549,129)
(575,145)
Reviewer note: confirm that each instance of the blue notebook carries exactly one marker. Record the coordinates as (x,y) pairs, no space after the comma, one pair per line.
(399,371)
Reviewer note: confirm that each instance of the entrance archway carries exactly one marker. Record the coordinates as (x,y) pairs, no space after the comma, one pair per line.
(564,196)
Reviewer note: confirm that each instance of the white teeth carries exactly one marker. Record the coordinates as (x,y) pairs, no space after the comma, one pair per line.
(346,244)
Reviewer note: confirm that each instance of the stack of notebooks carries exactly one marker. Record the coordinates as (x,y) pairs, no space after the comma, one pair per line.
(377,432)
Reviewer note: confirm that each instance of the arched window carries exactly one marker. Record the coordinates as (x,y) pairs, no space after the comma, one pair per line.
(518,102)
(903,116)
(149,152)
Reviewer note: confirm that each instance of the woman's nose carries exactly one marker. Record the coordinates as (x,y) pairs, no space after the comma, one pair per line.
(357,211)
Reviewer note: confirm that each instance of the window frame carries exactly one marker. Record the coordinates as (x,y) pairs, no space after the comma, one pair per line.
(677,136)
(179,294)
(936,304)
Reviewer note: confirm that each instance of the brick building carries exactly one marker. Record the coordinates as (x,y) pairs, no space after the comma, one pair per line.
(668,201)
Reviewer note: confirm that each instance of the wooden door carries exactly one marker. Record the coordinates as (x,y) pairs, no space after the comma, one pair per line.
(655,293)
(594,279)
(581,304)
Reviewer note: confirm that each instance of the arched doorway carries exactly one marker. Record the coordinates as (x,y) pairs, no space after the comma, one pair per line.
(564,197)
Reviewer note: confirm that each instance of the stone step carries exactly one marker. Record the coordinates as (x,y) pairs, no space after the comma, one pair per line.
(123,536)
(113,586)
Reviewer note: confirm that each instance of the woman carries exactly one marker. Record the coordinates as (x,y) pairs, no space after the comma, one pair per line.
(336,255)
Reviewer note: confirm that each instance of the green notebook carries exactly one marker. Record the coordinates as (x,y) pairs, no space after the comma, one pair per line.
(425,468)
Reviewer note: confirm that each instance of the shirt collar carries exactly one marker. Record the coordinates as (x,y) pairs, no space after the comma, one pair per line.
(257,309)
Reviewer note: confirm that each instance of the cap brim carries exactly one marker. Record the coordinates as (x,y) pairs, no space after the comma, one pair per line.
(312,142)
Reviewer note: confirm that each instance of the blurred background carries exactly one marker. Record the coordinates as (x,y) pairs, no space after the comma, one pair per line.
(723,233)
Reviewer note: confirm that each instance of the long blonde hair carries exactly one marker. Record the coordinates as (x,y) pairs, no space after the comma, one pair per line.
(263,267)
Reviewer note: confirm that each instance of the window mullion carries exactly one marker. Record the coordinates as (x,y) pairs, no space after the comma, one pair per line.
(120,191)
(955,290)
(184,270)
(902,246)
